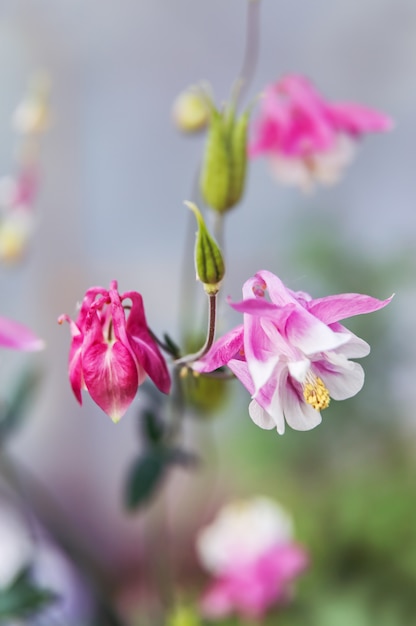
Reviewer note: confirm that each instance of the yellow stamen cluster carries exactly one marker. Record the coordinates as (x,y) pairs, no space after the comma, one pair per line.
(316,394)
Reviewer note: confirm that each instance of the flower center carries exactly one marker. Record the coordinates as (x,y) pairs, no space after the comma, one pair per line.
(316,394)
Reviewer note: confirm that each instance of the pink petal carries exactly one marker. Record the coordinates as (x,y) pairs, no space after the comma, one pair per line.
(89,298)
(111,377)
(223,350)
(240,369)
(17,336)
(356,119)
(268,397)
(286,561)
(216,602)
(75,366)
(310,335)
(260,350)
(338,307)
(279,293)
(144,348)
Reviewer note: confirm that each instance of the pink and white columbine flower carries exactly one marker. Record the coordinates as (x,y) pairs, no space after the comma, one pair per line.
(250,552)
(110,354)
(307,138)
(291,353)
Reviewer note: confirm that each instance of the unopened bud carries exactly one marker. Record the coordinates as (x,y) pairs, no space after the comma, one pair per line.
(224,166)
(209,263)
(190,111)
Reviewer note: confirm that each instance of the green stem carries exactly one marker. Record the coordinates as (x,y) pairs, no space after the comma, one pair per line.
(212,314)
(218,229)
(251,51)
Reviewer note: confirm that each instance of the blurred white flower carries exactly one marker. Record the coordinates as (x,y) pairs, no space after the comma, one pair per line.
(241,531)
(250,552)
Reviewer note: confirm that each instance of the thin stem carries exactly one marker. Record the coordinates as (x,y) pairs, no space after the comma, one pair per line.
(188,284)
(212,313)
(218,229)
(251,51)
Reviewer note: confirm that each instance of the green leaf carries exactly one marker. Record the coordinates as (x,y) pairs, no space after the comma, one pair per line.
(23,597)
(149,470)
(153,427)
(145,477)
(173,347)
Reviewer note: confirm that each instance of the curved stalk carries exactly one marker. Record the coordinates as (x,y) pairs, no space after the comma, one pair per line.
(212,313)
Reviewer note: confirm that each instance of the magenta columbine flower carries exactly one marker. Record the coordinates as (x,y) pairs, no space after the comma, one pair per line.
(291,352)
(250,553)
(306,138)
(111,352)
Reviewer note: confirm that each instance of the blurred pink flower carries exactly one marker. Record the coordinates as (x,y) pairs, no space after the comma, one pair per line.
(250,552)
(306,138)
(17,219)
(18,337)
(110,355)
(291,353)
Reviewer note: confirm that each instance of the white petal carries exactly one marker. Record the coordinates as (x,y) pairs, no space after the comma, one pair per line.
(299,415)
(299,369)
(355,348)
(344,381)
(262,371)
(329,165)
(292,171)
(260,417)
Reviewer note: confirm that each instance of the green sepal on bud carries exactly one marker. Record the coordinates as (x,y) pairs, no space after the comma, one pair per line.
(209,264)
(224,165)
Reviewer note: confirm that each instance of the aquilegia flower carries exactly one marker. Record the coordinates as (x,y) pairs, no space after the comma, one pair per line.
(112,353)
(306,138)
(291,353)
(250,552)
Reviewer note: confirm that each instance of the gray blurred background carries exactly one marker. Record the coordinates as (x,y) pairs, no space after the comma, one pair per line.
(115,173)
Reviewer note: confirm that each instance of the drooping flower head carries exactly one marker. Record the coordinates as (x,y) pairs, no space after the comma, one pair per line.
(250,552)
(111,351)
(306,138)
(291,352)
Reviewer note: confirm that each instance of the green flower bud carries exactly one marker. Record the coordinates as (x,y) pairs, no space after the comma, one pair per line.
(209,263)
(183,616)
(238,152)
(224,165)
(215,169)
